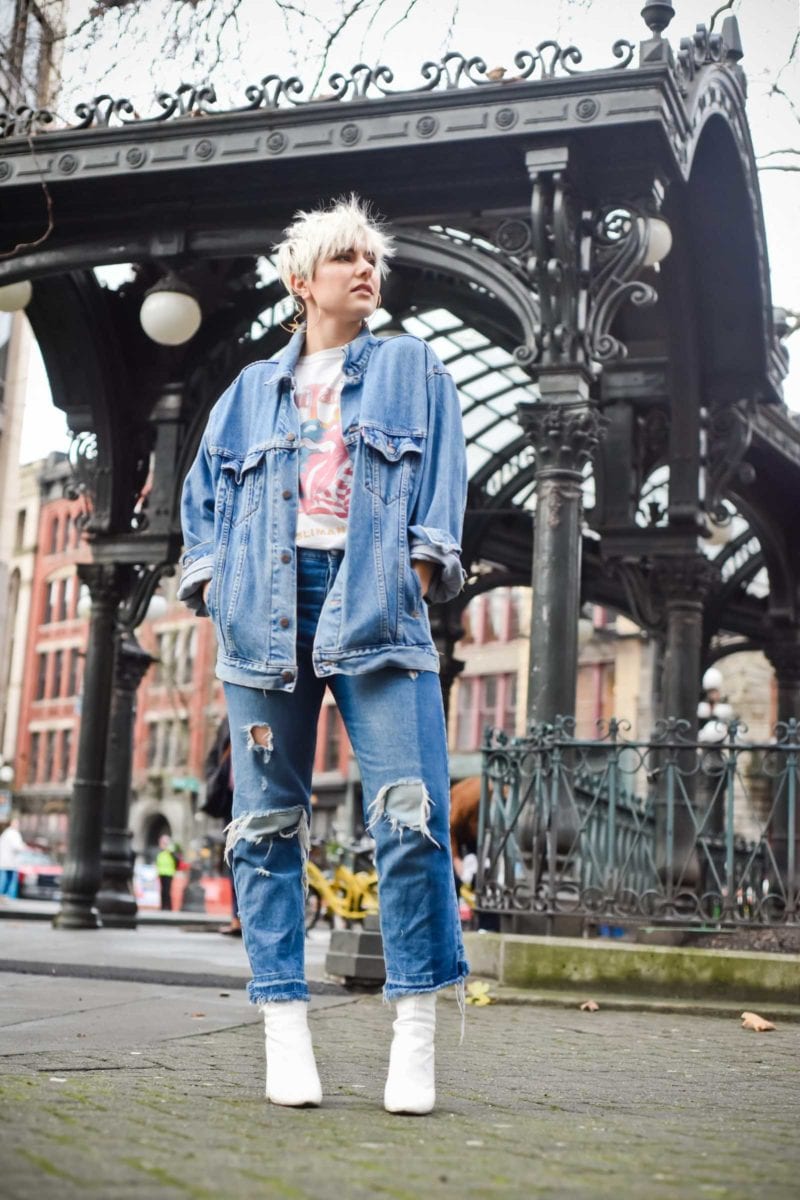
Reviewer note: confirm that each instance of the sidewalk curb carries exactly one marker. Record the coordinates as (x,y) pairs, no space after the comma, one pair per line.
(557,965)
(150,975)
(610,1002)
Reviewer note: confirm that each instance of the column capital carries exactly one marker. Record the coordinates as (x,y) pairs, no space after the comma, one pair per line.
(685,579)
(564,435)
(133,662)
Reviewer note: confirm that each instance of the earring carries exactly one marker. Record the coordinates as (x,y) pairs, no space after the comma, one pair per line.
(298,316)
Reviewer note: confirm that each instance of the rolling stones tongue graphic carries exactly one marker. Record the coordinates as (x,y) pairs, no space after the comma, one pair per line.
(325,468)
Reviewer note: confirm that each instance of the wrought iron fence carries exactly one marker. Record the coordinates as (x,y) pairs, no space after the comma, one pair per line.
(672,831)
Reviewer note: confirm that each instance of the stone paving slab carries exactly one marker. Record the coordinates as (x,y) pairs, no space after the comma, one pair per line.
(537,1102)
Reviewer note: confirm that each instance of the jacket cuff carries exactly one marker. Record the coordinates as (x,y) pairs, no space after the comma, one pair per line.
(190,588)
(437,546)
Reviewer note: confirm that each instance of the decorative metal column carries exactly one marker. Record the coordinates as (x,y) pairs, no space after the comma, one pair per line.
(82,870)
(583,266)
(563,434)
(115,900)
(684,583)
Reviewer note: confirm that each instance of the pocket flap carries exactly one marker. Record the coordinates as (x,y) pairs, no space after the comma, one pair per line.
(392,446)
(238,467)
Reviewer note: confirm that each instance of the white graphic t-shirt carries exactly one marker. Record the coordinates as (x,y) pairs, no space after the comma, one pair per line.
(326,472)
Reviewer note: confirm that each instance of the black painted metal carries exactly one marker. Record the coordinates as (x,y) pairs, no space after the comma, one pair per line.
(115,900)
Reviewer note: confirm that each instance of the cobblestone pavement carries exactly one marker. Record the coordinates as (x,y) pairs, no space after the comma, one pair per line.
(146,1092)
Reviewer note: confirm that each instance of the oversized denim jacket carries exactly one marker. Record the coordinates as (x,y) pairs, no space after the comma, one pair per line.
(401,423)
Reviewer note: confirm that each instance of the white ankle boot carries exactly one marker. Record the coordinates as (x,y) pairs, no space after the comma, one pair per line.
(411,1086)
(292,1078)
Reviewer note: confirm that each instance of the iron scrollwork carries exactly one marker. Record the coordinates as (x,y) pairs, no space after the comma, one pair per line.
(730,432)
(272,92)
(585,265)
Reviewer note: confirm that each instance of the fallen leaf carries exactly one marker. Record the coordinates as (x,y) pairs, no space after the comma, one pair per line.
(590,1006)
(751,1020)
(224,993)
(196,1015)
(478,993)
(496,73)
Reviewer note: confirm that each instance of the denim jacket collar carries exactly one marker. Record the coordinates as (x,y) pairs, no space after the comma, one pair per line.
(355,359)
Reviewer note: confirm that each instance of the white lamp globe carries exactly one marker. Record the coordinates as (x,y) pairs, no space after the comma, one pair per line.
(15,296)
(659,240)
(712,680)
(84,606)
(157,608)
(170,313)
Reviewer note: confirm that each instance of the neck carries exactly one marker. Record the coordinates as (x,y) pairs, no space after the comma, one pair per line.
(325,331)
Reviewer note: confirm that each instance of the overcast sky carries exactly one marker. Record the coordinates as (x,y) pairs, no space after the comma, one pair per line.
(768,28)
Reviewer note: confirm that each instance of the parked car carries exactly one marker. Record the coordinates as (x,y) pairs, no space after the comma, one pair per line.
(39,875)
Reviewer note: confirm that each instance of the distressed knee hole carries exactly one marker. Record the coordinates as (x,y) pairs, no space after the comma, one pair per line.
(257,827)
(405,804)
(259,740)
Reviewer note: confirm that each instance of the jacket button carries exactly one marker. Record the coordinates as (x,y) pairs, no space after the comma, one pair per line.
(286,493)
(287,676)
(290,437)
(391,448)
(286,557)
(284,622)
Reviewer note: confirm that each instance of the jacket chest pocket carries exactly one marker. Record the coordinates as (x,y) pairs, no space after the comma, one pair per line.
(244,485)
(390,461)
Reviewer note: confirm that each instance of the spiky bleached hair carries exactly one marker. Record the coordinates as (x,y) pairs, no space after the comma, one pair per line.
(348,223)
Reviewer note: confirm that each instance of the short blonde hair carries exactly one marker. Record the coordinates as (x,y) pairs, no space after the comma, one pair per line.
(348,223)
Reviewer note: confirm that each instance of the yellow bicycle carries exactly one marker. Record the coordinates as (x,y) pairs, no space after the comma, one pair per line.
(347,894)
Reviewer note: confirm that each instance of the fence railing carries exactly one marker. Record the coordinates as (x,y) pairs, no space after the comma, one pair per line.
(673,830)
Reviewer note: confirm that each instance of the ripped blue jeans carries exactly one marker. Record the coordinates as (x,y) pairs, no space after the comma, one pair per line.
(395,722)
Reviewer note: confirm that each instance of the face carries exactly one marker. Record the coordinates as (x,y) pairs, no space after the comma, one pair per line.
(346,286)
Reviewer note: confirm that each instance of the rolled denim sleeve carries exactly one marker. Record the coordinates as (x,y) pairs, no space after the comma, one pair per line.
(438,515)
(197,521)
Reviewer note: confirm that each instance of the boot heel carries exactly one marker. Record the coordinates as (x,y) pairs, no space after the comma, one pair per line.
(411,1084)
(292,1078)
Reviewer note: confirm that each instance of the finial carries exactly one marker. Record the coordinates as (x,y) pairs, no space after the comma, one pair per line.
(657,16)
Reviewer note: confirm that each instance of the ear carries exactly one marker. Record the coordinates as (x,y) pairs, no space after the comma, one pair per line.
(299,286)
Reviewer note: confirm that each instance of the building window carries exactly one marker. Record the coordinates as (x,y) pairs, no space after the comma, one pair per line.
(485,700)
(464,734)
(58,671)
(66,754)
(187,649)
(152,745)
(49,755)
(19,538)
(54,527)
(73,657)
(165,650)
(509,718)
(41,676)
(53,604)
(332,746)
(33,760)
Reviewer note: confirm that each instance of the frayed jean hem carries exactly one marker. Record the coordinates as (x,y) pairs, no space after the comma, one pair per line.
(287,989)
(395,991)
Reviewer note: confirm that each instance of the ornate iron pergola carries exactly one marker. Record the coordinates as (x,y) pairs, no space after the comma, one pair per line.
(612,408)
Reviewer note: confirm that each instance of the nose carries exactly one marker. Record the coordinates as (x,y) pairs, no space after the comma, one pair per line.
(364,266)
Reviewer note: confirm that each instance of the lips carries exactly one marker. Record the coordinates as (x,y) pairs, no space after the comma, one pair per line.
(364,289)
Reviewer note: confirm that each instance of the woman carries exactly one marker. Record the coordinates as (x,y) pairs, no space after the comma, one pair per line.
(324,506)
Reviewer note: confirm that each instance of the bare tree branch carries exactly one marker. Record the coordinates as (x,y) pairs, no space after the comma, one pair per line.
(722,9)
(347,16)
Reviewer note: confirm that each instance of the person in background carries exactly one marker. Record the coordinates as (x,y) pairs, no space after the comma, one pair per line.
(166,866)
(11,843)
